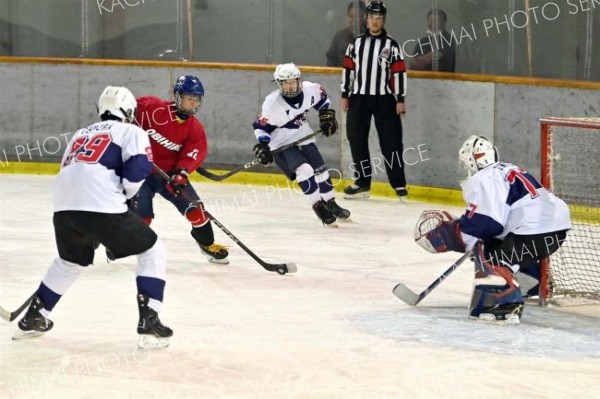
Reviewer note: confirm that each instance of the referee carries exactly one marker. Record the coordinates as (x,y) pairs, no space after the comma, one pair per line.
(373,84)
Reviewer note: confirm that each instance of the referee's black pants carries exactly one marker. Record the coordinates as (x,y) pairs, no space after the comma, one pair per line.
(389,131)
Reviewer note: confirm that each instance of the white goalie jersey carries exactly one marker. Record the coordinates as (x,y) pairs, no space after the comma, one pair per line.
(280,123)
(503,199)
(104,164)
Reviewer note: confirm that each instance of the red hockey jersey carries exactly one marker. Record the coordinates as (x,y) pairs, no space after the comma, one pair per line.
(176,143)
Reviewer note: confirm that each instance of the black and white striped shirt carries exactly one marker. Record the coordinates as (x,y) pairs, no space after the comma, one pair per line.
(374,65)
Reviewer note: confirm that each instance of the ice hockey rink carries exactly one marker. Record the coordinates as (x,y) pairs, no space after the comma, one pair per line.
(332,330)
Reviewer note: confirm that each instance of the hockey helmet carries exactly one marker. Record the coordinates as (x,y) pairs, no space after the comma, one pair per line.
(477,153)
(287,77)
(376,7)
(117,102)
(187,85)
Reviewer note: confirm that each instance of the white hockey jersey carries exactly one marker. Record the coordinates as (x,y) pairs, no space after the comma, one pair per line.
(502,199)
(104,164)
(281,123)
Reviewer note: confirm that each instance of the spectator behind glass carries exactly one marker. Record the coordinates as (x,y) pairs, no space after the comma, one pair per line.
(339,43)
(440,41)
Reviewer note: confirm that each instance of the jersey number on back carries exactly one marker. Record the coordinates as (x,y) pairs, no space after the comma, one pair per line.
(88,149)
(517,174)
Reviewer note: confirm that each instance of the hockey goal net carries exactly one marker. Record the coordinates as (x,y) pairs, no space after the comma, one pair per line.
(570,152)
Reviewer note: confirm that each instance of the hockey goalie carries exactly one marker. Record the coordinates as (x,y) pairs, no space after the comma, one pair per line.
(510,224)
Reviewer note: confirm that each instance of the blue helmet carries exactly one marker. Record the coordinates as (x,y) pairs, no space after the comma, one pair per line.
(188,85)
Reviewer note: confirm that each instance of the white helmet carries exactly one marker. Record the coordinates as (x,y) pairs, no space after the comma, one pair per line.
(477,153)
(118,102)
(287,72)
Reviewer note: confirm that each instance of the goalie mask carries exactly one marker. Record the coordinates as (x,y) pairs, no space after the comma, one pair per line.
(287,77)
(477,153)
(188,93)
(117,102)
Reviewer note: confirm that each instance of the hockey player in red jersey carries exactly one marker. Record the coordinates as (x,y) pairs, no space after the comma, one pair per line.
(179,145)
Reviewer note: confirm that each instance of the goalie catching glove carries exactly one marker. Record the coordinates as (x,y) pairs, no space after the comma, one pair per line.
(327,122)
(437,231)
(178,182)
(263,153)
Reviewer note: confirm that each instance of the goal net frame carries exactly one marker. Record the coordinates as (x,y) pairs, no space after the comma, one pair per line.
(547,157)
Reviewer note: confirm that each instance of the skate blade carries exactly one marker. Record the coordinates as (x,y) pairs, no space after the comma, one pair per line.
(331,225)
(20,334)
(146,341)
(218,261)
(490,318)
(357,196)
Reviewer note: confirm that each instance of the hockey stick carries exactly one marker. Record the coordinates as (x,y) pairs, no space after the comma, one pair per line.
(412,299)
(281,268)
(254,162)
(10,316)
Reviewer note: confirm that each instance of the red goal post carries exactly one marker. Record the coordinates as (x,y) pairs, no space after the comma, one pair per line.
(570,168)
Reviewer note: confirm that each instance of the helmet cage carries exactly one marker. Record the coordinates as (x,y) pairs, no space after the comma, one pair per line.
(477,153)
(287,77)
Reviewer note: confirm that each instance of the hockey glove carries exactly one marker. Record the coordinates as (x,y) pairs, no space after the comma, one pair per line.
(178,182)
(263,153)
(327,122)
(446,237)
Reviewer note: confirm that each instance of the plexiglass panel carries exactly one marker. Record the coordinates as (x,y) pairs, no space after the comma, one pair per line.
(538,38)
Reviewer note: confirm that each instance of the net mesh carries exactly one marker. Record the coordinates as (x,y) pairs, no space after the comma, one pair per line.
(573,169)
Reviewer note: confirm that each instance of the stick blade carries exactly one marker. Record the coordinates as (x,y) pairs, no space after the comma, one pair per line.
(291,267)
(406,295)
(5,314)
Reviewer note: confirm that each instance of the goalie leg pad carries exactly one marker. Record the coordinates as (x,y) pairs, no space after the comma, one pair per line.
(496,295)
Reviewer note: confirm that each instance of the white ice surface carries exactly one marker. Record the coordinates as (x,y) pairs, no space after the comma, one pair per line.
(332,330)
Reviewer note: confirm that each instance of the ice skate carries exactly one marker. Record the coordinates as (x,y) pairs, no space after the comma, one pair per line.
(498,304)
(324,214)
(215,253)
(338,211)
(152,333)
(355,192)
(34,323)
(503,314)
(402,193)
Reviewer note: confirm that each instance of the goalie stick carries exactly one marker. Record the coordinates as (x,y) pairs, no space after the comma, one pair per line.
(254,162)
(412,299)
(10,316)
(281,268)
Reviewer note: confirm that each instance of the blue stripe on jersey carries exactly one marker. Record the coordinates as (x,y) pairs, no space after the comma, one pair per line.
(480,226)
(294,123)
(136,168)
(267,128)
(111,158)
(518,189)
(322,101)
